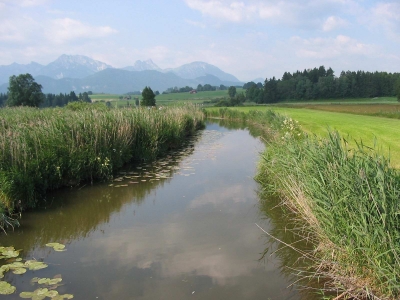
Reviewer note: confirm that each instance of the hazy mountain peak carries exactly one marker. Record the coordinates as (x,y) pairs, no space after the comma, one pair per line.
(198,69)
(71,61)
(143,66)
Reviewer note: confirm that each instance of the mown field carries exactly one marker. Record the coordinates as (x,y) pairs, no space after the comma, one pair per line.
(165,99)
(347,120)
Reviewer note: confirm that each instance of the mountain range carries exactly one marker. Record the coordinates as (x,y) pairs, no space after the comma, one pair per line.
(80,73)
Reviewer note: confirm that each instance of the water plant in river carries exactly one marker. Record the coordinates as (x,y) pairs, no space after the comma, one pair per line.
(18,267)
(45,149)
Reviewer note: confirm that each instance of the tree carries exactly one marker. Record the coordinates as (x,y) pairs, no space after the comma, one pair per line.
(23,90)
(148,97)
(397,89)
(232,91)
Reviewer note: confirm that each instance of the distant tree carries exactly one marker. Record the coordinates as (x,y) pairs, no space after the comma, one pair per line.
(248,84)
(397,89)
(157,93)
(232,91)
(209,87)
(73,97)
(86,98)
(3,99)
(148,97)
(23,90)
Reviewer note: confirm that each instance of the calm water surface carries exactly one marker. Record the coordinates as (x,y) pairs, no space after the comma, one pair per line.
(180,228)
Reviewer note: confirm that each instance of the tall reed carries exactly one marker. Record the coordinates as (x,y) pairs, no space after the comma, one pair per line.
(45,149)
(347,202)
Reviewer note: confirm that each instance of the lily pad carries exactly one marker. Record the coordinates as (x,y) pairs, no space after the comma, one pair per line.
(49,281)
(56,246)
(65,296)
(34,265)
(8,252)
(6,288)
(19,271)
(38,294)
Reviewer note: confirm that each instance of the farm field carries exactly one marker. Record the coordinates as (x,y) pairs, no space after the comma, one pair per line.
(165,99)
(376,100)
(371,130)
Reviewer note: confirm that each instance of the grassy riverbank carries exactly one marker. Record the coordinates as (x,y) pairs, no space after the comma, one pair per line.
(347,199)
(41,150)
(369,129)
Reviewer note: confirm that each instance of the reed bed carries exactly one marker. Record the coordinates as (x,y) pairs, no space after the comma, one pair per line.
(346,200)
(41,150)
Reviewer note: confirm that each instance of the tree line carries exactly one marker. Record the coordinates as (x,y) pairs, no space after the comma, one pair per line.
(319,83)
(53,100)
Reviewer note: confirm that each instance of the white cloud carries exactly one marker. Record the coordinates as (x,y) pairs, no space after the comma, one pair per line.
(309,14)
(234,11)
(333,23)
(327,48)
(387,15)
(66,30)
(24,3)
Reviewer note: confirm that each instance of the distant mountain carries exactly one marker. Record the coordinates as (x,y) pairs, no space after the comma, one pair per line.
(117,81)
(16,69)
(80,73)
(199,69)
(143,66)
(73,66)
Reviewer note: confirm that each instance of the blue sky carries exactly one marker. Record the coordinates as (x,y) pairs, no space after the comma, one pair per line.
(248,39)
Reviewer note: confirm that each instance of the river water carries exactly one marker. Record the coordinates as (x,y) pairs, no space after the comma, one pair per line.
(182,227)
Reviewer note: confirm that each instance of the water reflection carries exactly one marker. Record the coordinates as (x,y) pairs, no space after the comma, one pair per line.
(189,232)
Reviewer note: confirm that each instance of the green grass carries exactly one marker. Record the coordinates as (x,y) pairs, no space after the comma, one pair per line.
(165,99)
(376,100)
(346,205)
(45,149)
(209,95)
(370,130)
(104,97)
(349,198)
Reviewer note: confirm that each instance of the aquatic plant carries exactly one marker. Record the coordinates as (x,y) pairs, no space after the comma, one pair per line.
(41,150)
(18,267)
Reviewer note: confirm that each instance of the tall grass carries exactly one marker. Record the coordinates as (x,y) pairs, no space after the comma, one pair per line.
(45,149)
(347,199)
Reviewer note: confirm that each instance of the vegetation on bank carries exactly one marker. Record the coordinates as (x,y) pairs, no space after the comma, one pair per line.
(44,149)
(369,129)
(347,199)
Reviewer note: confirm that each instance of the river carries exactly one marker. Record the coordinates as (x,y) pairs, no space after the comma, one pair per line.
(183,227)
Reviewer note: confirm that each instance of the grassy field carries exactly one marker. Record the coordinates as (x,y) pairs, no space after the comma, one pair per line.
(383,131)
(165,99)
(376,100)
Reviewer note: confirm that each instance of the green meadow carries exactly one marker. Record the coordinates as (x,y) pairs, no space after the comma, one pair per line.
(371,130)
(165,99)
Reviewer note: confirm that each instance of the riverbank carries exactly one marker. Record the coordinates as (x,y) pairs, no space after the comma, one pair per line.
(347,201)
(41,150)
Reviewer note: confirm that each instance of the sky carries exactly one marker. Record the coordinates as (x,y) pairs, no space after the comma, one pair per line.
(249,39)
